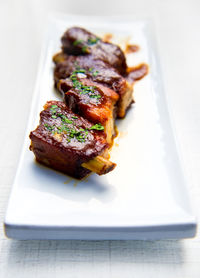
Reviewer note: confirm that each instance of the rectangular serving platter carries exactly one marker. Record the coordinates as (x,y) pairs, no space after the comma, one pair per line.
(145,197)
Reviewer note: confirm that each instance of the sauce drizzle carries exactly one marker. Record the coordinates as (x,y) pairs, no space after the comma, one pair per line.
(137,72)
(130,48)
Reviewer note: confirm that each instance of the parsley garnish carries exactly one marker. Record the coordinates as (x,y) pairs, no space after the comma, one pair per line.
(53,109)
(92,41)
(95,73)
(84,49)
(49,127)
(54,106)
(82,89)
(76,42)
(66,126)
(97,127)
(80,70)
(95,96)
(65,119)
(85,44)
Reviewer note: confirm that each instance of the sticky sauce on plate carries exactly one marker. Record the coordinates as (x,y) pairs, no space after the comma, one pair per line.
(130,48)
(137,72)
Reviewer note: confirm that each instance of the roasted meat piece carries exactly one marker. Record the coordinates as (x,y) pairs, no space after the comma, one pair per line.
(92,101)
(97,71)
(69,143)
(102,62)
(78,41)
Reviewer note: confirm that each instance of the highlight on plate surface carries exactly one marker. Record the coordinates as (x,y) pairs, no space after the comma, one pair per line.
(76,133)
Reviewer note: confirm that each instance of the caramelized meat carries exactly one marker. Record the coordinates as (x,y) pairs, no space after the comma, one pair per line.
(102,62)
(97,71)
(92,101)
(65,141)
(92,75)
(78,41)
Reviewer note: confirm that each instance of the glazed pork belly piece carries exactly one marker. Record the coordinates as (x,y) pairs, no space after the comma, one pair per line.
(97,71)
(92,101)
(78,41)
(103,63)
(69,143)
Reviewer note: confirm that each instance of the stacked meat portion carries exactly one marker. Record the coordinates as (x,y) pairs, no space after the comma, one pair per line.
(74,135)
(101,62)
(65,141)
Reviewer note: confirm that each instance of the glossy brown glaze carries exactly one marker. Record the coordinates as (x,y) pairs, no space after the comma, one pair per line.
(83,50)
(95,110)
(137,73)
(63,140)
(78,41)
(130,48)
(106,75)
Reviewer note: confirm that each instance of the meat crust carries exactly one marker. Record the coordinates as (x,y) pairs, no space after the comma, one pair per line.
(78,41)
(92,101)
(64,141)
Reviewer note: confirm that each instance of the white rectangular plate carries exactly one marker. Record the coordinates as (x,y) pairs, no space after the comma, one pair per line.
(145,197)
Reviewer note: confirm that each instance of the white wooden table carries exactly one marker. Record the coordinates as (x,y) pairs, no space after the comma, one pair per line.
(22,24)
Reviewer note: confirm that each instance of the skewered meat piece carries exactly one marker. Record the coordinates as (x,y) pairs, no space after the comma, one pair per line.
(92,101)
(69,143)
(97,71)
(102,62)
(92,75)
(78,41)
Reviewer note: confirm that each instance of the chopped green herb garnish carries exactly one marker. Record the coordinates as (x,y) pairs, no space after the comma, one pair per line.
(76,42)
(95,96)
(54,106)
(66,127)
(53,109)
(84,49)
(97,127)
(80,135)
(95,73)
(92,40)
(82,89)
(65,119)
(80,71)
(49,127)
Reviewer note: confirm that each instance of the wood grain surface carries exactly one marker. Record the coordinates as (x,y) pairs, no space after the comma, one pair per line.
(22,26)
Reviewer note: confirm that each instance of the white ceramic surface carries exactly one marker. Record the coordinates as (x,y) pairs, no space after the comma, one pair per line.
(145,197)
